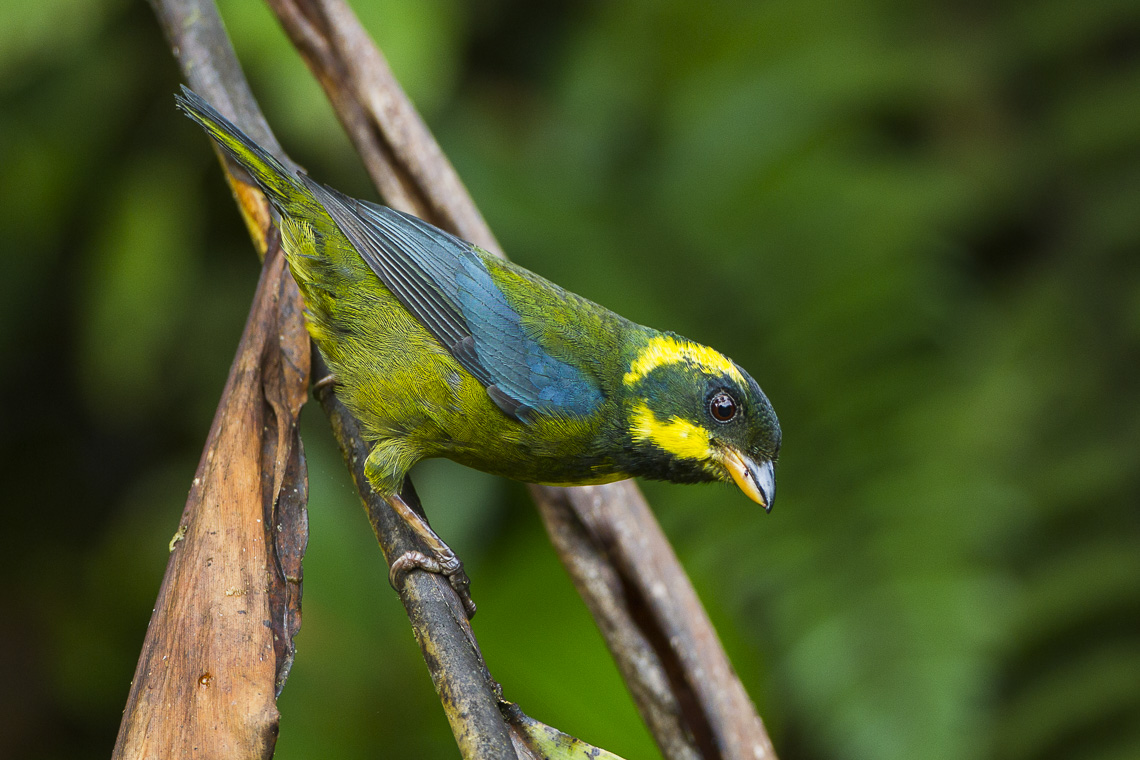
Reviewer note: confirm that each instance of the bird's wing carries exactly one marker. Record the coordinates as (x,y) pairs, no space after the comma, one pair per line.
(443,282)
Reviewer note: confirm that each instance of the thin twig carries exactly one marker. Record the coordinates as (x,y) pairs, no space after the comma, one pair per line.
(469,695)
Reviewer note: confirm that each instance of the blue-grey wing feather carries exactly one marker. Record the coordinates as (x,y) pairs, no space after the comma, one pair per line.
(444,283)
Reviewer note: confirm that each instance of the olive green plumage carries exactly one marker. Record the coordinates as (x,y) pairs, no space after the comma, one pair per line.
(443,350)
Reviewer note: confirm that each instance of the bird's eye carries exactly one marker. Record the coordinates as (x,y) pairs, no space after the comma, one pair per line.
(722,406)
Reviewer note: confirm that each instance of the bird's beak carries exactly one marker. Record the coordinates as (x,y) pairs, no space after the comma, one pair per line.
(758,481)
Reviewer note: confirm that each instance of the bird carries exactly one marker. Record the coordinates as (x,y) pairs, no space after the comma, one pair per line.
(441,349)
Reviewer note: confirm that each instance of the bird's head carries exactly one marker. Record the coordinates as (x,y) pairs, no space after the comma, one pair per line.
(694,416)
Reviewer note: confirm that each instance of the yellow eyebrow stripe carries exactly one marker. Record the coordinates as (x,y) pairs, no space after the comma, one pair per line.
(677,436)
(665,349)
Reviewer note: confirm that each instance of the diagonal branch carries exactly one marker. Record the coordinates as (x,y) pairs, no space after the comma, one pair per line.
(469,695)
(403,159)
(221,634)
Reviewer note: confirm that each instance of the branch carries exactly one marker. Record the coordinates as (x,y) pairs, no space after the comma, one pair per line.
(664,643)
(220,640)
(400,154)
(469,695)
(653,622)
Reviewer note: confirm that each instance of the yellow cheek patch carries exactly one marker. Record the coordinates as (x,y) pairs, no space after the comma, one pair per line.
(665,349)
(679,437)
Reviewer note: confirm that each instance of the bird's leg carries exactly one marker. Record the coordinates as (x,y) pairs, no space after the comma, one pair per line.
(442,559)
(385,469)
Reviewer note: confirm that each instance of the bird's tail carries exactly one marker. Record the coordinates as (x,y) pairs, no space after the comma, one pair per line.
(278,182)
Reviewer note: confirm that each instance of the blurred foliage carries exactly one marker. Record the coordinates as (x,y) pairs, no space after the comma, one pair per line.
(916,224)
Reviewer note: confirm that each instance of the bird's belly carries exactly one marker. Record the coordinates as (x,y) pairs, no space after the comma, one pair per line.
(555,470)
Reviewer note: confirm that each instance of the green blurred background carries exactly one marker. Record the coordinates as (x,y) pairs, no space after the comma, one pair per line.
(915,223)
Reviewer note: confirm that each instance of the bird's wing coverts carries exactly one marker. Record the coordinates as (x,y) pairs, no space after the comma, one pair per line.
(444,283)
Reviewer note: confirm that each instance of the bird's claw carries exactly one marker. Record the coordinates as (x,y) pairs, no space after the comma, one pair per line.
(448,566)
(324,385)
(462,585)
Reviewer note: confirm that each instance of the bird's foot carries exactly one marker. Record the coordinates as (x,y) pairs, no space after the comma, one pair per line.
(439,558)
(444,563)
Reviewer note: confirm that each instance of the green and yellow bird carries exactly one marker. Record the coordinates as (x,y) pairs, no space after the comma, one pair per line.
(441,349)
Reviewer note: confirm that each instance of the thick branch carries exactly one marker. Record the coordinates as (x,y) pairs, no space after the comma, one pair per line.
(220,640)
